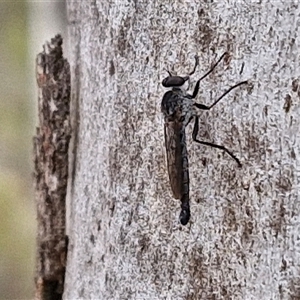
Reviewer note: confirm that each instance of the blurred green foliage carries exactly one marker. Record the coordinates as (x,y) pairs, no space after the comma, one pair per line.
(22,26)
(17,212)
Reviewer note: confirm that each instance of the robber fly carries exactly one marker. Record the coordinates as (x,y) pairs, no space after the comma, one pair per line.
(179,109)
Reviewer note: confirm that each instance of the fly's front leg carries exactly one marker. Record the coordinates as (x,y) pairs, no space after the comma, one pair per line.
(205,75)
(205,107)
(194,136)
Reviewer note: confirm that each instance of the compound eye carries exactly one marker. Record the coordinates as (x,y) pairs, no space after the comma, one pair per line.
(173,81)
(165,82)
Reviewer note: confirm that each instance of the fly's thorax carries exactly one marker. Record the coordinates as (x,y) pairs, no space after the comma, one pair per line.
(171,102)
(177,105)
(187,110)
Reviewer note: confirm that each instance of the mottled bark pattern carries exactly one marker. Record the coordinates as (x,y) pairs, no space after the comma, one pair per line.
(243,240)
(51,168)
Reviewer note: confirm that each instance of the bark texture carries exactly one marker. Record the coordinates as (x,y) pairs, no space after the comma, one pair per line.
(51,146)
(126,241)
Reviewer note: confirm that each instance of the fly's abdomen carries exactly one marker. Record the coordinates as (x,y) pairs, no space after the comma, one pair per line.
(176,112)
(185,203)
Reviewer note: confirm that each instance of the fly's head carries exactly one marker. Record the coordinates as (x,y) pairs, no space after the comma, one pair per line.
(173,81)
(178,82)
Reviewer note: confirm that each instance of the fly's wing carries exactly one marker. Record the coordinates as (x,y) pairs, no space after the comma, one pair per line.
(173,142)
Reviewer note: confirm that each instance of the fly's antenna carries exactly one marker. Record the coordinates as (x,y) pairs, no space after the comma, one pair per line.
(170,74)
(191,73)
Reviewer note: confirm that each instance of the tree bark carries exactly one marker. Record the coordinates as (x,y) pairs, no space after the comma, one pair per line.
(51,147)
(125,239)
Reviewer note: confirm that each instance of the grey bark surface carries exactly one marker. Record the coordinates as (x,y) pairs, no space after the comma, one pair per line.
(125,239)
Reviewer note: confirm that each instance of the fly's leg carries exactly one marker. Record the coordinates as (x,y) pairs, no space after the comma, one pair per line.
(205,75)
(196,64)
(194,135)
(205,107)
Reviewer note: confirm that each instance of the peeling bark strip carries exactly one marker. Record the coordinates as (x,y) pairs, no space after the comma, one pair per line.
(51,168)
